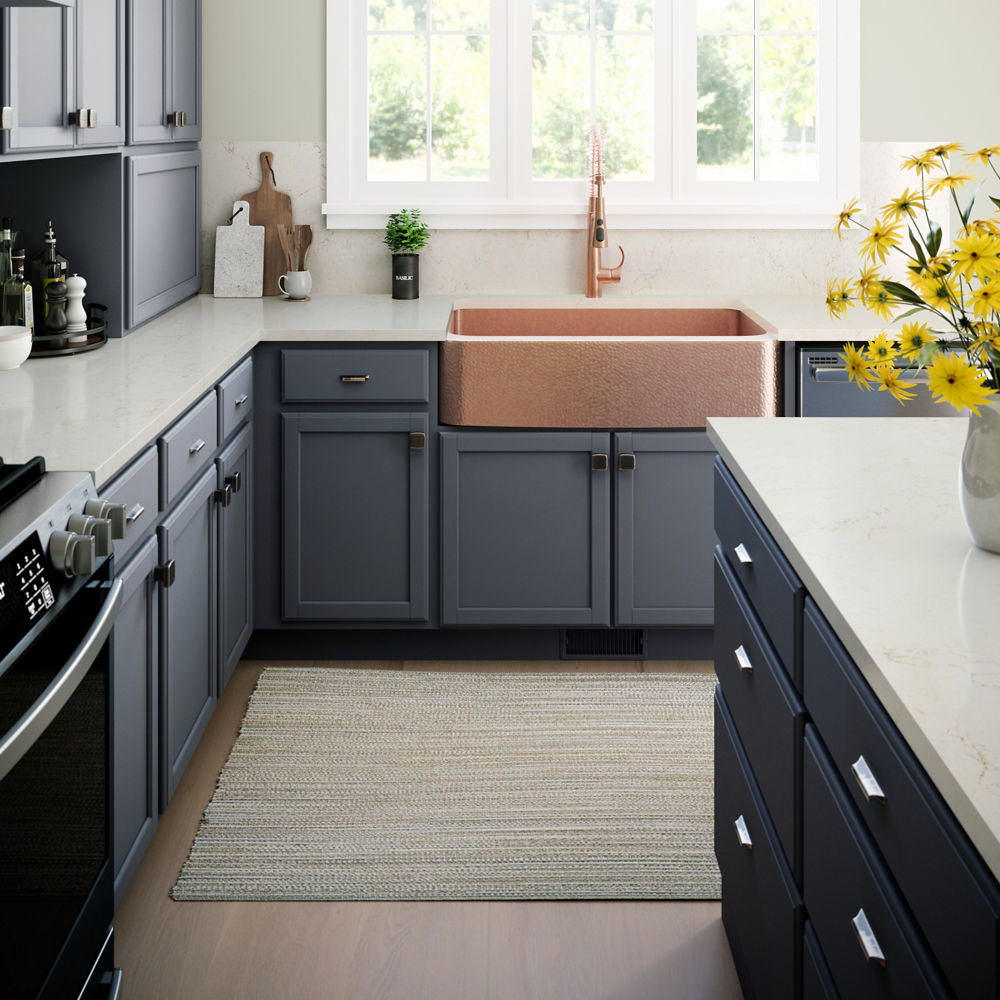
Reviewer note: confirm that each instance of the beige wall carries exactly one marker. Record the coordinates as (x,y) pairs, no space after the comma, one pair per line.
(264,73)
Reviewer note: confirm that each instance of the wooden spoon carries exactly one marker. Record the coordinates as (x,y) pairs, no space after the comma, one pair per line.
(285,239)
(303,241)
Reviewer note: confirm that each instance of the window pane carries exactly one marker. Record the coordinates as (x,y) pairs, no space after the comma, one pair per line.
(625,105)
(788,108)
(397,15)
(560,106)
(725,15)
(624,15)
(725,108)
(460,123)
(788,15)
(397,102)
(561,15)
(460,15)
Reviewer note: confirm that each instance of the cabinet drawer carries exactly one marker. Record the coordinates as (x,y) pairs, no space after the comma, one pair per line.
(187,448)
(845,883)
(761,907)
(771,584)
(362,376)
(767,711)
(817,983)
(954,898)
(137,489)
(235,393)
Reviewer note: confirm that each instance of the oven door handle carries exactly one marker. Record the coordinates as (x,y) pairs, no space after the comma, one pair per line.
(19,739)
(827,373)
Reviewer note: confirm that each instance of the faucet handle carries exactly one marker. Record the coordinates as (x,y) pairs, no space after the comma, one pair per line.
(612,273)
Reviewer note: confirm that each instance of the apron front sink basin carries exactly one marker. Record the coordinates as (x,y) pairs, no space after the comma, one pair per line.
(596,363)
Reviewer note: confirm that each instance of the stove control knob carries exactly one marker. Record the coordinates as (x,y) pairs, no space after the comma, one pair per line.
(100,528)
(113,512)
(73,554)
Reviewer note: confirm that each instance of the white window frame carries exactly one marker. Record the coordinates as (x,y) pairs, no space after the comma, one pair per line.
(674,199)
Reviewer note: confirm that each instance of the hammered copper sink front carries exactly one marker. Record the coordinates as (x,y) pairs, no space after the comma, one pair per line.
(628,372)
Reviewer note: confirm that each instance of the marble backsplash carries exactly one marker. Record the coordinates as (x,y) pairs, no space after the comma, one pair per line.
(542,261)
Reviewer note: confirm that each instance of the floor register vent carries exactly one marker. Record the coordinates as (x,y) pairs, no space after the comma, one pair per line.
(603,644)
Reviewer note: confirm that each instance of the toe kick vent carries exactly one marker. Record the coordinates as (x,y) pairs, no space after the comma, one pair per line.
(603,644)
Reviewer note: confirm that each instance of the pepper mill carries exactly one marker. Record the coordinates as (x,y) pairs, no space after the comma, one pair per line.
(76,315)
(55,301)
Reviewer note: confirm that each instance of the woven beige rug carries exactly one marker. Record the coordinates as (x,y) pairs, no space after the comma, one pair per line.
(378,784)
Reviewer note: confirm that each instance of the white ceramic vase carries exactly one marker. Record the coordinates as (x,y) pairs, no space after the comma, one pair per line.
(979,478)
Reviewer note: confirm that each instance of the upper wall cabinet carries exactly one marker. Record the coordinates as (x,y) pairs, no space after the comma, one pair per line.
(164,77)
(63,82)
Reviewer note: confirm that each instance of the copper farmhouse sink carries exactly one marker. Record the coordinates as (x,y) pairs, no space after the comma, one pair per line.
(597,363)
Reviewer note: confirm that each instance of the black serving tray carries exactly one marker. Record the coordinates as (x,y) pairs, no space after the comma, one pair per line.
(51,345)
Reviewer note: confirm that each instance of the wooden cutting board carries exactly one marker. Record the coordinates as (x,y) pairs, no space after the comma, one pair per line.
(239,256)
(270,208)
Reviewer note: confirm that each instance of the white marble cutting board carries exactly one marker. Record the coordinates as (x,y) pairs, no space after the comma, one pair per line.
(239,256)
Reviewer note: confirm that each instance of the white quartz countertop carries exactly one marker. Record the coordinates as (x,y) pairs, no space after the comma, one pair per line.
(867,512)
(93,412)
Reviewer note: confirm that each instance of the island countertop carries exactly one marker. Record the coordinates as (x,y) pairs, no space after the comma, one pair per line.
(867,512)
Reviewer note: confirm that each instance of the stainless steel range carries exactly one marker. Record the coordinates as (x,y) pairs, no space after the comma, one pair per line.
(58,601)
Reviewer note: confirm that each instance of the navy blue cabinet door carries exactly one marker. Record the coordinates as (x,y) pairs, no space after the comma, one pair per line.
(525,528)
(665,532)
(355,518)
(188,643)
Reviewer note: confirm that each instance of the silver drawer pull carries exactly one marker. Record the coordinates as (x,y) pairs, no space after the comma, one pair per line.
(866,938)
(865,778)
(743,833)
(241,399)
(354,378)
(743,659)
(196,447)
(135,513)
(742,554)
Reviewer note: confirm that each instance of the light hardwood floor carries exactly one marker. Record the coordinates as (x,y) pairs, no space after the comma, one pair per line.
(401,951)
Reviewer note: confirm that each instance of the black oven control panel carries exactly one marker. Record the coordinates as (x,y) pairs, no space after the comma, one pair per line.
(27,591)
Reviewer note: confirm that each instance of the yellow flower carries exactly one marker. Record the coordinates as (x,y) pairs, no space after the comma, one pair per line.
(944,150)
(987,334)
(977,255)
(880,348)
(839,295)
(859,368)
(953,380)
(879,301)
(986,299)
(881,238)
(868,275)
(922,163)
(844,219)
(888,376)
(951,181)
(906,204)
(939,293)
(983,155)
(981,227)
(913,337)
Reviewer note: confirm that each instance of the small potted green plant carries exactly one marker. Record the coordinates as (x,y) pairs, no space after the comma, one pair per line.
(406,234)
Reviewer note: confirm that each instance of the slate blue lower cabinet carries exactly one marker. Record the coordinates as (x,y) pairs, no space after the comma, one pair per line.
(135,650)
(188,637)
(525,528)
(664,532)
(355,519)
(235,483)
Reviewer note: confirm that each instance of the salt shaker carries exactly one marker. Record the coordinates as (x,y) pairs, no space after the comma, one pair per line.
(76,315)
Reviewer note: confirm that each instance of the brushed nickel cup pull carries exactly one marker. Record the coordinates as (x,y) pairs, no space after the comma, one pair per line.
(418,440)
(233,482)
(743,833)
(224,496)
(240,400)
(599,463)
(178,118)
(866,938)
(165,573)
(742,554)
(354,378)
(83,118)
(743,659)
(196,447)
(135,513)
(866,779)
(626,462)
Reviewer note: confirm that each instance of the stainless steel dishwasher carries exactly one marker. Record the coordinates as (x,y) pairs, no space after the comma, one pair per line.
(824,390)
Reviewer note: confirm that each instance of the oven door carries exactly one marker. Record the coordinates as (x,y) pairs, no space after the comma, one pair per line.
(56,898)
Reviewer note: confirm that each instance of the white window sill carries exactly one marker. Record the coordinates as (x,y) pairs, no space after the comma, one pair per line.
(620,216)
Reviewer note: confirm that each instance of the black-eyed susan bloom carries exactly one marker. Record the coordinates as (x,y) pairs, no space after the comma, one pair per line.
(953,380)
(881,348)
(949,182)
(905,205)
(881,238)
(913,338)
(986,299)
(922,163)
(846,214)
(983,155)
(877,299)
(859,367)
(976,256)
(890,379)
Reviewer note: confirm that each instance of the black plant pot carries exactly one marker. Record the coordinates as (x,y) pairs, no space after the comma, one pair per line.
(405,276)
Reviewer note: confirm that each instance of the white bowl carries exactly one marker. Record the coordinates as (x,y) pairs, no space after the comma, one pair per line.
(15,346)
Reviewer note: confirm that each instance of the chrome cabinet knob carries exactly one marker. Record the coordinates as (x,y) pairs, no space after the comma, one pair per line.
(113,512)
(72,554)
